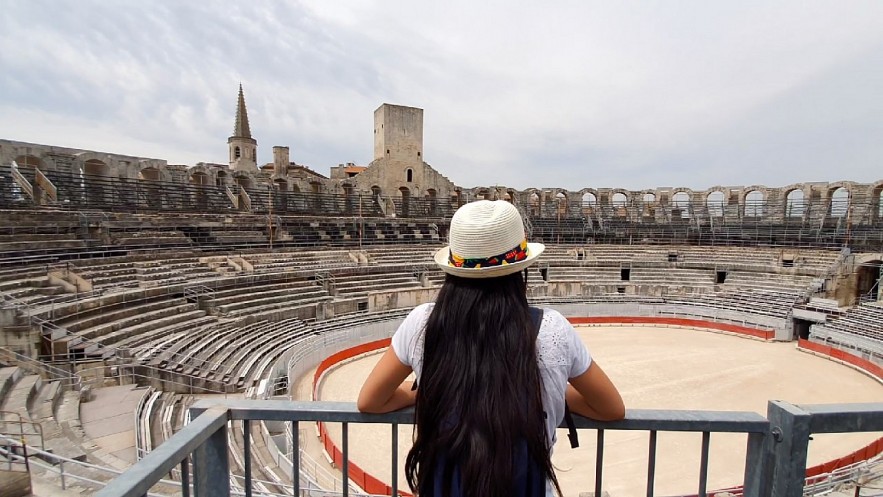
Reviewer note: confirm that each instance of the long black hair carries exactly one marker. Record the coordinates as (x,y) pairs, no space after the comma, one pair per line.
(480,395)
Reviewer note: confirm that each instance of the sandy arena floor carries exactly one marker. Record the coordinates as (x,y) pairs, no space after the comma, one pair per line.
(659,369)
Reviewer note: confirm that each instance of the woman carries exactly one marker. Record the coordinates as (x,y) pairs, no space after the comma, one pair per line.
(492,387)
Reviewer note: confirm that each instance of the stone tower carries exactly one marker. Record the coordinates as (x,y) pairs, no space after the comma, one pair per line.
(398,148)
(398,133)
(280,162)
(243,148)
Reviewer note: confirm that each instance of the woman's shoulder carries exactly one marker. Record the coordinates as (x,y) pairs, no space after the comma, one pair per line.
(553,319)
(554,336)
(422,311)
(415,321)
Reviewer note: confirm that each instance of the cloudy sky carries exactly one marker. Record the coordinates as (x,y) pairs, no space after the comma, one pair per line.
(570,93)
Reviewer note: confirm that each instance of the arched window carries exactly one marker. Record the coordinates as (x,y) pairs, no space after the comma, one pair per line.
(199,178)
(714,202)
(839,202)
(649,201)
(243,181)
(681,201)
(221,180)
(620,199)
(589,199)
(95,167)
(150,174)
(237,153)
(375,191)
(754,204)
(29,161)
(409,175)
(794,204)
(879,198)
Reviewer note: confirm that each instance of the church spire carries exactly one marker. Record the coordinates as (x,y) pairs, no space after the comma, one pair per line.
(240,127)
(243,148)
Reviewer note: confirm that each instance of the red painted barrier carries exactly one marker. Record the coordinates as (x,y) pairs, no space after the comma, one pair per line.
(373,485)
(364,480)
(691,323)
(874,448)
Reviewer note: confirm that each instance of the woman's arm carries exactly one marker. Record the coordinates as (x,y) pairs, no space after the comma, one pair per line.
(384,390)
(593,395)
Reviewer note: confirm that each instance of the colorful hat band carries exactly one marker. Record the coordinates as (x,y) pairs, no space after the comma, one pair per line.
(519,253)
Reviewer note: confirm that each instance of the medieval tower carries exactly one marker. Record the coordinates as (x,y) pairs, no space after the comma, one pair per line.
(243,148)
(398,145)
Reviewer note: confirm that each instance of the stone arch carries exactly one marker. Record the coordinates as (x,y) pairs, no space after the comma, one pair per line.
(96,159)
(199,178)
(221,178)
(795,202)
(281,184)
(877,199)
(151,174)
(648,203)
(243,180)
(561,202)
(839,197)
(753,202)
(456,198)
(96,168)
(588,197)
(29,161)
(715,200)
(376,191)
(588,202)
(431,199)
(682,201)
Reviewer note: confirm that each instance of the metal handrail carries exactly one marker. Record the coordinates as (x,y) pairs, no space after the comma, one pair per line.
(21,422)
(775,461)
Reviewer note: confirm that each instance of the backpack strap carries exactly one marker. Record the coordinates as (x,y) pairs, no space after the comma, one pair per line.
(536,315)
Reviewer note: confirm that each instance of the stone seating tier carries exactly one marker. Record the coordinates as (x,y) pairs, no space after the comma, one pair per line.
(29,398)
(278,299)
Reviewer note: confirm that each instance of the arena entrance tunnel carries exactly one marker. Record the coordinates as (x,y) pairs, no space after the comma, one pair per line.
(868,274)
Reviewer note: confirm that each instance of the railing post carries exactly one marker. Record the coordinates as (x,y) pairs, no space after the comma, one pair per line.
(211,466)
(757,470)
(788,445)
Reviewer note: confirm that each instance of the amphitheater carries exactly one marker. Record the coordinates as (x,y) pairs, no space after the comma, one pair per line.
(129,299)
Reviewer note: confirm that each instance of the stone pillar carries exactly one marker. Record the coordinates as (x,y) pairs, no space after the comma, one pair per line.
(280,161)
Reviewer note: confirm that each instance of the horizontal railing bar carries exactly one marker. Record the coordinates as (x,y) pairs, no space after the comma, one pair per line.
(840,418)
(346,412)
(138,479)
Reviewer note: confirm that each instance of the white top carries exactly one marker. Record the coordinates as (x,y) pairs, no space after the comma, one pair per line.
(560,353)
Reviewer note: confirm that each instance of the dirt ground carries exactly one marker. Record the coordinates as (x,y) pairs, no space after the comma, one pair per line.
(659,368)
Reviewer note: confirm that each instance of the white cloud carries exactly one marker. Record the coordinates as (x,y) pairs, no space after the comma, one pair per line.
(573,94)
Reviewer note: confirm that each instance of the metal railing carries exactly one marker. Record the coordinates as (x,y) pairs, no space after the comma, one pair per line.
(775,464)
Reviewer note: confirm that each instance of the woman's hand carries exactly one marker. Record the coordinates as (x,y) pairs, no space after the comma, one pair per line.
(385,389)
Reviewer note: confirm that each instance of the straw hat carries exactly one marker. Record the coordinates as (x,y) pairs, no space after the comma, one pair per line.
(486,241)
